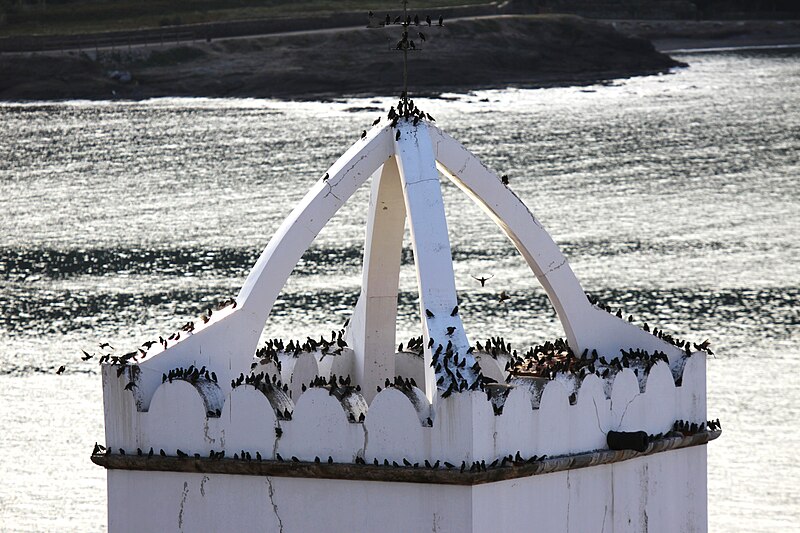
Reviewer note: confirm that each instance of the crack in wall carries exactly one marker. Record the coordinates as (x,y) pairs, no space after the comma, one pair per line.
(569,498)
(183,504)
(625,411)
(271,491)
(597,415)
(330,191)
(553,269)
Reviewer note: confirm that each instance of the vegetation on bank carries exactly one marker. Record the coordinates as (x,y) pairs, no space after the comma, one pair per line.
(51,17)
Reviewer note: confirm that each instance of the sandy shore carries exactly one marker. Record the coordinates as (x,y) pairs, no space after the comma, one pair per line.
(669,35)
(466,54)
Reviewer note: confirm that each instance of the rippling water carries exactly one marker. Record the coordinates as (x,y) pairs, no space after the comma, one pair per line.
(675,197)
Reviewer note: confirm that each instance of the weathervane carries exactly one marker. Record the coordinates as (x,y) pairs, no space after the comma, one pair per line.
(405,106)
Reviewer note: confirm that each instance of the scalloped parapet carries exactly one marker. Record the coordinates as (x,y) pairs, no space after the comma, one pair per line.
(534,416)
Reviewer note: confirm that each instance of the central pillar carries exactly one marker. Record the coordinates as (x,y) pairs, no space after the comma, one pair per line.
(372,329)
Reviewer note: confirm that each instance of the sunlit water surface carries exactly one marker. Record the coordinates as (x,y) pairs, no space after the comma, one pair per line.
(674,197)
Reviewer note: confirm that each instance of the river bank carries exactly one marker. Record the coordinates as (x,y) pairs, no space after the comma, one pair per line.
(465,54)
(669,35)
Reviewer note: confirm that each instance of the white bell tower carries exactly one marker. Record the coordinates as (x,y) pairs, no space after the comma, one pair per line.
(304,441)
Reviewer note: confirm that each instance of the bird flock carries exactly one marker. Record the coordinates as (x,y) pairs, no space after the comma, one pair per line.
(554,357)
(660,333)
(123,361)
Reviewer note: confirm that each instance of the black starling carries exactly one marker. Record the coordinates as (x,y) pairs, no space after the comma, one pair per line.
(504,179)
(441,20)
(60,370)
(363,133)
(454,312)
(428,313)
(397,136)
(428,19)
(482,279)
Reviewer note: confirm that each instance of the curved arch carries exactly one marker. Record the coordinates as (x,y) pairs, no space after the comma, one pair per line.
(585,325)
(230,338)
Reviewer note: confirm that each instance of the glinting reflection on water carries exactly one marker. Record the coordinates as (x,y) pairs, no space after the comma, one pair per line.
(674,197)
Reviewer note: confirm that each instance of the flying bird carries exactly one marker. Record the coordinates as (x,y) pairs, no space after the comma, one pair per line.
(482,279)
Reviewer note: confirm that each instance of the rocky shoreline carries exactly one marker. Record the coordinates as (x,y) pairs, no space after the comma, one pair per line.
(466,54)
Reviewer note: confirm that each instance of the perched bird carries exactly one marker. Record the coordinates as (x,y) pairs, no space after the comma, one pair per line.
(375,122)
(503,296)
(428,313)
(504,179)
(325,177)
(130,386)
(482,279)
(397,136)
(451,330)
(454,312)
(428,19)
(363,133)
(61,370)
(421,36)
(441,20)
